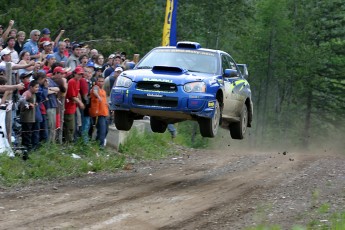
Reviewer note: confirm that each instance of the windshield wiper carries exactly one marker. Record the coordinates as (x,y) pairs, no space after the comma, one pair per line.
(144,67)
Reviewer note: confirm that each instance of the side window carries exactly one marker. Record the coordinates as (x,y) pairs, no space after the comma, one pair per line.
(225,63)
(234,66)
(232,63)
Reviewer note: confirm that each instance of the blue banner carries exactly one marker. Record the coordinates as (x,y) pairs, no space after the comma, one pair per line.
(169,29)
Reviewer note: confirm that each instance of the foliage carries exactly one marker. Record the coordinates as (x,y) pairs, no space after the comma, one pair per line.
(295,51)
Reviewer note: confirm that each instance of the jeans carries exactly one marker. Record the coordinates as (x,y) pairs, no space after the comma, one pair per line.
(44,128)
(172,130)
(86,124)
(51,118)
(102,129)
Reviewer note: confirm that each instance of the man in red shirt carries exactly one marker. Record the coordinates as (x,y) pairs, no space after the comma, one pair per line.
(72,101)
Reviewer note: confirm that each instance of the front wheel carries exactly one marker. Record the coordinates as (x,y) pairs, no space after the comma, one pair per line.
(238,129)
(157,126)
(123,120)
(209,126)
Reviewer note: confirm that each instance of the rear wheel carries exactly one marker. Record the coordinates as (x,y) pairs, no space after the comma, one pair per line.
(238,129)
(209,126)
(157,126)
(123,120)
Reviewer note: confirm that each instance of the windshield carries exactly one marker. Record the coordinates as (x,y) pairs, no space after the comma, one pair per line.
(192,60)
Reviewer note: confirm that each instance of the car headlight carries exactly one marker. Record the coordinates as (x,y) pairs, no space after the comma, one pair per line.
(195,87)
(122,81)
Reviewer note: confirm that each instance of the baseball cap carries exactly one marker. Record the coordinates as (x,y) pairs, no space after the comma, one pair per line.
(59,69)
(76,46)
(90,64)
(4,52)
(49,56)
(45,31)
(118,69)
(47,43)
(111,56)
(79,70)
(25,75)
(66,39)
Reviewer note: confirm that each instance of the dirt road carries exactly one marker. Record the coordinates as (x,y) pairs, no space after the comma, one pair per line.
(195,190)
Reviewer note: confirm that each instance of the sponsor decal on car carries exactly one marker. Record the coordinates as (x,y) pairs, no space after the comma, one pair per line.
(154,95)
(157,79)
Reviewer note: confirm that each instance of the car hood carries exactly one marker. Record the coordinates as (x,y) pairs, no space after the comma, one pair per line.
(166,74)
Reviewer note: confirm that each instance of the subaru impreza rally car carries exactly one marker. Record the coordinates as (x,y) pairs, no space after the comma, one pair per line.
(173,84)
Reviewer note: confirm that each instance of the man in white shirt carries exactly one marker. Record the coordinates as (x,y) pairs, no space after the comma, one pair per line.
(11,41)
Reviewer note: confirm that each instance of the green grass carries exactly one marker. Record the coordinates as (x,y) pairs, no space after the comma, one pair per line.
(52,161)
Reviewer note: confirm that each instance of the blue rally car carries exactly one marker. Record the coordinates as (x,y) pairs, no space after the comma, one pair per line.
(173,84)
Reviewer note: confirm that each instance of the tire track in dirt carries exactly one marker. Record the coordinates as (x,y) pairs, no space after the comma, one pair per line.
(171,194)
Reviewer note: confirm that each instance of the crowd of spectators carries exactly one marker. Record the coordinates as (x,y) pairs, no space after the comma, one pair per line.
(60,88)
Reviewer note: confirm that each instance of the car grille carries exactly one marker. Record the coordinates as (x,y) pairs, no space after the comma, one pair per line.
(157,86)
(170,102)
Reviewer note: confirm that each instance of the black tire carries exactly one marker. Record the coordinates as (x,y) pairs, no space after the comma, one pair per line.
(238,129)
(157,126)
(123,120)
(209,126)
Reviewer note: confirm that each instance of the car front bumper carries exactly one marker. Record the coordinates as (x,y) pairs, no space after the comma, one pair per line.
(179,105)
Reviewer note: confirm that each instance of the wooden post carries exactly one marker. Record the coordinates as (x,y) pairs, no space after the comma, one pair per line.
(9,113)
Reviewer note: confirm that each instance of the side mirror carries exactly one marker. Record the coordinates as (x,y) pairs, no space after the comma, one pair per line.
(230,73)
(243,69)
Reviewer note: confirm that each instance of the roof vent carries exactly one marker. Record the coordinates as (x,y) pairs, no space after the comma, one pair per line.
(188,45)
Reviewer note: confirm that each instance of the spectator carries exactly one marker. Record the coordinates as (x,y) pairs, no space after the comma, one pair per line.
(85,87)
(172,130)
(99,110)
(50,60)
(93,53)
(60,55)
(20,42)
(4,88)
(68,50)
(6,58)
(25,79)
(51,104)
(41,96)
(5,34)
(73,60)
(83,59)
(1,30)
(116,63)
(25,60)
(10,42)
(109,63)
(31,46)
(99,61)
(45,38)
(47,49)
(109,81)
(61,81)
(27,105)
(71,102)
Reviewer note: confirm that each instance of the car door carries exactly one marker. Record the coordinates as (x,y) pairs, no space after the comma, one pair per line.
(234,98)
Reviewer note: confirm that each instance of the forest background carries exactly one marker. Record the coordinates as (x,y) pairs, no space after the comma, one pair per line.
(295,50)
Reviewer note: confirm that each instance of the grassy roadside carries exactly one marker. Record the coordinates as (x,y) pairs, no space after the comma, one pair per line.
(55,161)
